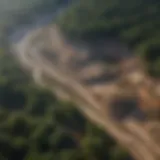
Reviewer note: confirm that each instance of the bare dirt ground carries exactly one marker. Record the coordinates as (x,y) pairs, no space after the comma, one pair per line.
(77,75)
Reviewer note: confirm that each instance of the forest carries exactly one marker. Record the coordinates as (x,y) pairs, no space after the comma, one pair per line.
(134,22)
(35,125)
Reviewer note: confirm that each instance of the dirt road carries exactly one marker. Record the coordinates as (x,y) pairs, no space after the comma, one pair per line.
(30,52)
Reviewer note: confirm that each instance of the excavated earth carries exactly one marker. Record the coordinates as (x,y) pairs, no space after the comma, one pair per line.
(109,85)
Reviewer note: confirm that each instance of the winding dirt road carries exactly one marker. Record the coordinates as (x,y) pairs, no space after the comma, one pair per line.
(30,51)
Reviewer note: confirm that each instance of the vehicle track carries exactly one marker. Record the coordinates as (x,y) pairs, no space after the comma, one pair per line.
(129,133)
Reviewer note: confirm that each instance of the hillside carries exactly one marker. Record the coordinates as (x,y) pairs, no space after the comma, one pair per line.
(136,23)
(34,124)
(56,64)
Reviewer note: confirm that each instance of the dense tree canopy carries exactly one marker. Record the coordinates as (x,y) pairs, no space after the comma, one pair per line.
(135,22)
(35,125)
